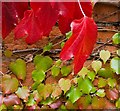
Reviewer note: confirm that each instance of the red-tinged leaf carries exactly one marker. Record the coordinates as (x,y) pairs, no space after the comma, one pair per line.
(11,100)
(69,11)
(40,23)
(81,42)
(11,13)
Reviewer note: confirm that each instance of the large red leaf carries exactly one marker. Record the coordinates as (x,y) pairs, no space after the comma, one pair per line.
(11,13)
(81,42)
(36,23)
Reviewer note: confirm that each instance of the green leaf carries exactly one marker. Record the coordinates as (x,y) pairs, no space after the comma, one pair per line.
(30,101)
(100,93)
(37,96)
(38,75)
(8,53)
(35,85)
(115,64)
(55,71)
(42,62)
(84,71)
(65,70)
(91,75)
(85,85)
(64,84)
(62,44)
(105,72)
(104,55)
(68,34)
(112,82)
(10,85)
(18,68)
(58,62)
(3,107)
(116,38)
(74,94)
(47,47)
(48,101)
(101,83)
(118,103)
(118,52)
(96,65)
(23,93)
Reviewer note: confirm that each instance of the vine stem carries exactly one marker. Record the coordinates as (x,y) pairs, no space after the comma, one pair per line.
(81,8)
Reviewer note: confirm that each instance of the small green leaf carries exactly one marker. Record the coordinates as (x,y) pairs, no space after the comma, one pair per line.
(62,44)
(38,75)
(10,85)
(100,93)
(118,103)
(8,53)
(102,83)
(65,70)
(23,93)
(116,38)
(35,85)
(58,62)
(85,85)
(105,72)
(30,101)
(84,71)
(47,47)
(42,63)
(118,52)
(55,71)
(91,75)
(48,101)
(3,107)
(74,94)
(96,65)
(112,82)
(68,34)
(18,68)
(104,55)
(115,64)
(64,84)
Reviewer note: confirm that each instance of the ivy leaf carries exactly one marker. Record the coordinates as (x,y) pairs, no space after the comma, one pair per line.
(96,65)
(104,55)
(18,68)
(55,71)
(47,47)
(101,83)
(100,93)
(23,93)
(84,36)
(84,71)
(118,103)
(115,64)
(65,70)
(74,94)
(64,84)
(85,85)
(38,75)
(9,85)
(30,101)
(116,38)
(111,82)
(43,63)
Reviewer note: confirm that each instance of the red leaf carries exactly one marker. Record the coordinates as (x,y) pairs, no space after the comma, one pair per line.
(70,11)
(36,23)
(81,42)
(11,13)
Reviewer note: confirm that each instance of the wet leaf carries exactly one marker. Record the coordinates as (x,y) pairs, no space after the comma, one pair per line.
(64,84)
(18,68)
(115,64)
(65,70)
(74,94)
(9,85)
(42,62)
(96,65)
(101,82)
(104,55)
(91,75)
(11,100)
(23,93)
(30,101)
(100,93)
(116,38)
(8,53)
(118,103)
(85,85)
(38,75)
(111,82)
(47,47)
(84,71)
(55,71)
